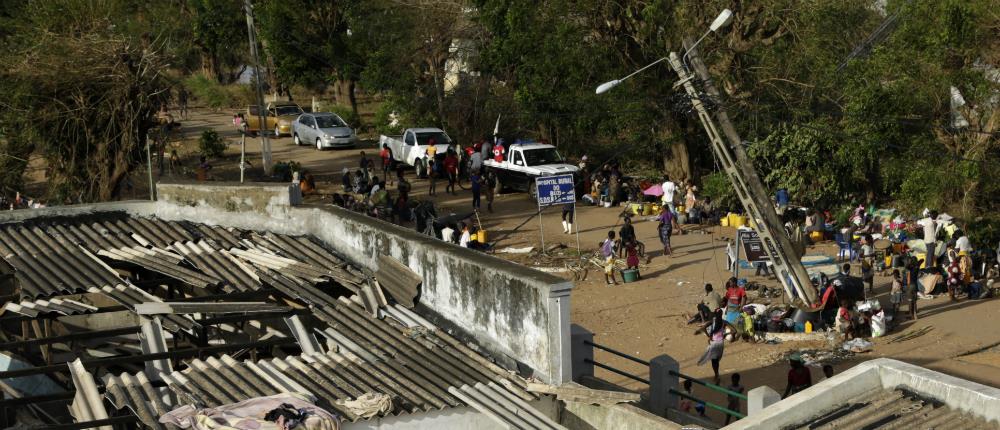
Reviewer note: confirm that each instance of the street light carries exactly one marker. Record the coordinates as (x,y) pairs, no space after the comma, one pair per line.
(720,22)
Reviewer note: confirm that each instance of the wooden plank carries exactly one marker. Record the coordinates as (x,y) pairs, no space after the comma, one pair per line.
(157,308)
(399,281)
(584,395)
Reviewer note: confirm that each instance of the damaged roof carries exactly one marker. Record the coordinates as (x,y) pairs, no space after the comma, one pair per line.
(370,347)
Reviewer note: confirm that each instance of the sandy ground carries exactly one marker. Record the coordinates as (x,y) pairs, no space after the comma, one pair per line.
(647,318)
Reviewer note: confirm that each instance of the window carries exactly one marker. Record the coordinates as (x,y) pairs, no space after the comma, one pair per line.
(542,156)
(409,139)
(330,121)
(254,110)
(439,138)
(518,160)
(287,110)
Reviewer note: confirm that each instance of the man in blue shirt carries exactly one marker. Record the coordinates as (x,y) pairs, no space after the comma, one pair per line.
(781,197)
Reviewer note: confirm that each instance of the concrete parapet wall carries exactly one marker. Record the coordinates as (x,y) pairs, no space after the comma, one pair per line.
(264,198)
(623,416)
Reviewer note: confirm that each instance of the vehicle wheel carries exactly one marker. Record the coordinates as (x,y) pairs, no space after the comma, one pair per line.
(421,168)
(295,138)
(319,144)
(277,134)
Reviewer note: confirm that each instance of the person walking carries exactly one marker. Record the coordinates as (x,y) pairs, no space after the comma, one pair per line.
(451,169)
(669,188)
(491,185)
(608,252)
(799,377)
(182,101)
(716,332)
(567,217)
(432,174)
(386,156)
(665,228)
(476,179)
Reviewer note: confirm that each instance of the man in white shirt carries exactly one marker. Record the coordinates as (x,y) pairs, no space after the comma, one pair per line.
(962,243)
(669,188)
(931,226)
(466,237)
(448,234)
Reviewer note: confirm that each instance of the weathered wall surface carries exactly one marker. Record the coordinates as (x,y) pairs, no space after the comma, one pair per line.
(509,309)
(265,198)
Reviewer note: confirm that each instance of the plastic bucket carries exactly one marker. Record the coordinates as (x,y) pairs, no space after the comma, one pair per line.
(816,236)
(738,221)
(921,256)
(630,275)
(724,221)
(635,208)
(647,209)
(481,236)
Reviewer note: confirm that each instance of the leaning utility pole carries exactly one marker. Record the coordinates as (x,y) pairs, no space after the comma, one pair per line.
(262,128)
(787,264)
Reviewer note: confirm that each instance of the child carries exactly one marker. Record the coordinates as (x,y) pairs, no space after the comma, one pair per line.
(896,294)
(608,252)
(734,402)
(632,255)
(686,403)
(432,175)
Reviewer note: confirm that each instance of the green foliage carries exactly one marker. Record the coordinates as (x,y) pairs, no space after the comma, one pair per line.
(211,93)
(346,113)
(720,190)
(383,119)
(210,144)
(219,30)
(282,170)
(984,231)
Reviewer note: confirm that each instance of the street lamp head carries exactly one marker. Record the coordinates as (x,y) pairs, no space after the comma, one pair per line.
(603,88)
(722,20)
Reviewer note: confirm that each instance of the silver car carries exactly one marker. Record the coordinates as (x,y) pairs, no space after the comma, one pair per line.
(323,130)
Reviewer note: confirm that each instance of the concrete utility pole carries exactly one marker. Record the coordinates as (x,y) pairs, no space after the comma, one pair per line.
(787,266)
(265,143)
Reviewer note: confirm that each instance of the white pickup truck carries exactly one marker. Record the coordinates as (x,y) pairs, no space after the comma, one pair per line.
(411,147)
(523,162)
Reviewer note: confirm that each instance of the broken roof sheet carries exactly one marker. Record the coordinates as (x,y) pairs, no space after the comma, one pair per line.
(895,409)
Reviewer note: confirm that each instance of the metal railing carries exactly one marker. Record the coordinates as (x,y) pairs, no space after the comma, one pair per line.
(708,385)
(620,354)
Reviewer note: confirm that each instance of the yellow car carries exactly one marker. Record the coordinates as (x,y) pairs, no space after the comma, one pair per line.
(280,116)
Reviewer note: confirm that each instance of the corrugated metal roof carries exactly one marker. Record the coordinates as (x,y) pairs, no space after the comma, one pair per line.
(399,354)
(507,410)
(54,305)
(895,409)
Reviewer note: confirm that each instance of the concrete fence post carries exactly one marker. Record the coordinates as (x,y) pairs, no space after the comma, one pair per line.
(661,381)
(581,351)
(760,398)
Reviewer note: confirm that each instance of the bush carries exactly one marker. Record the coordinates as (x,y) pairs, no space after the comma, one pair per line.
(282,170)
(346,113)
(717,187)
(217,96)
(210,144)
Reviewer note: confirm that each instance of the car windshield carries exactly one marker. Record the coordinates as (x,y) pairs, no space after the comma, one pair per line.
(439,138)
(329,122)
(288,110)
(542,156)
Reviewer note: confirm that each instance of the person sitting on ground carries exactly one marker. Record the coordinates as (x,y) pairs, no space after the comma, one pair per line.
(308,184)
(799,377)
(710,302)
(733,402)
(608,252)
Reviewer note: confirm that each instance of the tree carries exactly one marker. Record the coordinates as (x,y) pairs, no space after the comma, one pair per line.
(219,30)
(81,92)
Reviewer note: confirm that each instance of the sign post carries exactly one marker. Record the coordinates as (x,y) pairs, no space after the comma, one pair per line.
(752,246)
(555,190)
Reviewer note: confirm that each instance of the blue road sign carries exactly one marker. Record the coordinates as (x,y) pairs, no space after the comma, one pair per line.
(555,190)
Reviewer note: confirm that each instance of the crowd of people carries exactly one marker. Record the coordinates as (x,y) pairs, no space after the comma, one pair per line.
(20,202)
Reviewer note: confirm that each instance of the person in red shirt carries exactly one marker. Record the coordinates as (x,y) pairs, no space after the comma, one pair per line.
(386,161)
(498,151)
(451,168)
(799,377)
(736,295)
